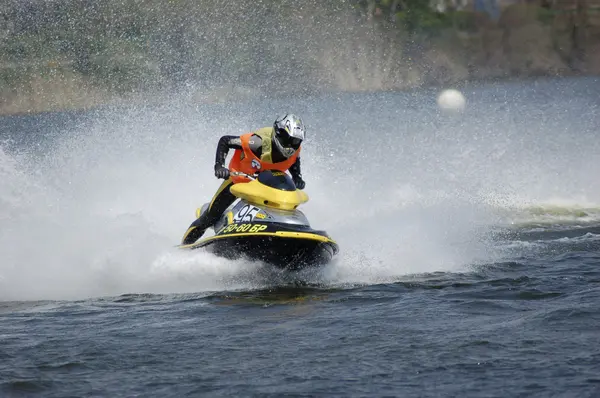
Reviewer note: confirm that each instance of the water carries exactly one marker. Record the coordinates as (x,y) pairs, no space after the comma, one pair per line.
(469,259)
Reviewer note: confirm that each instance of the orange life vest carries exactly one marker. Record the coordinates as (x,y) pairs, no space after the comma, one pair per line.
(245,161)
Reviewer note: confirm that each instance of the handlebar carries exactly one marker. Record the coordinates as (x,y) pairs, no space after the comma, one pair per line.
(241,174)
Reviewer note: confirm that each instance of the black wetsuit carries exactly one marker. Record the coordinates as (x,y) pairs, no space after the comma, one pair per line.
(223,198)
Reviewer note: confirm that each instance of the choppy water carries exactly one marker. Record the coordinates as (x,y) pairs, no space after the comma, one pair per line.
(469,265)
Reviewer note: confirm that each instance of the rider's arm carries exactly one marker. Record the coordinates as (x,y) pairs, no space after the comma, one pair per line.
(295,169)
(226,143)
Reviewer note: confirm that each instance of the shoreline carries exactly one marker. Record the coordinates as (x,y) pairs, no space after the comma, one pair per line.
(184,103)
(366,54)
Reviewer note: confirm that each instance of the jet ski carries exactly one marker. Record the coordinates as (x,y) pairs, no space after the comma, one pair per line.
(264,224)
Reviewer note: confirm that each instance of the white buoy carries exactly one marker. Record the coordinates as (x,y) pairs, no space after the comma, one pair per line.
(451,100)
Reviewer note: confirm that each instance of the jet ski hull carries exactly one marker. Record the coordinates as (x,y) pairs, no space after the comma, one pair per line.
(287,249)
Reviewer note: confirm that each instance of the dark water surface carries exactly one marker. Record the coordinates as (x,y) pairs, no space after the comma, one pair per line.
(470,261)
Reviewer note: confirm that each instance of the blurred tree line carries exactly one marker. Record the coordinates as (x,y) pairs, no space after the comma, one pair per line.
(133,46)
(140,44)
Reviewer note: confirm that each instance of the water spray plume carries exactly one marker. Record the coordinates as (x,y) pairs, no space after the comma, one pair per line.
(97,209)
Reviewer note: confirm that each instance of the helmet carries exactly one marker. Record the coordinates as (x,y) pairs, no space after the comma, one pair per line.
(288,134)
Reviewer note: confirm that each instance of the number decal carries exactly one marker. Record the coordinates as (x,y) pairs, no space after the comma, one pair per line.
(246,214)
(241,228)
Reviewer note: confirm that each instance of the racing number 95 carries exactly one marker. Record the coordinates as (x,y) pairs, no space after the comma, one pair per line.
(246,214)
(243,228)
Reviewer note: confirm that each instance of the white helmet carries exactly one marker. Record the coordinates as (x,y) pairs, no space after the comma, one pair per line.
(288,134)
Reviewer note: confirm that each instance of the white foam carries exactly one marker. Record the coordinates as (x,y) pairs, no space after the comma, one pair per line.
(99,213)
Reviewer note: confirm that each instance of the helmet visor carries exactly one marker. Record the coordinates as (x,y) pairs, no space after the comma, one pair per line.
(287,140)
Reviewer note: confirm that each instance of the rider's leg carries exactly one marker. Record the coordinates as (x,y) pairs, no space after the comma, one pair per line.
(222,199)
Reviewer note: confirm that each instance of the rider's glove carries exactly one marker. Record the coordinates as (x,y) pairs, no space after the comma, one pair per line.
(221,172)
(300,184)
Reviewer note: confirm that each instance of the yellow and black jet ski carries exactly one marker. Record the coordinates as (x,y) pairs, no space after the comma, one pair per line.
(265,224)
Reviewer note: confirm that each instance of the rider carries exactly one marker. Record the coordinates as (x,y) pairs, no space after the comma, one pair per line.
(269,148)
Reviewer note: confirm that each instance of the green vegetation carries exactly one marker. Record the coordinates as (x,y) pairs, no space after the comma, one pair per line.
(78,53)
